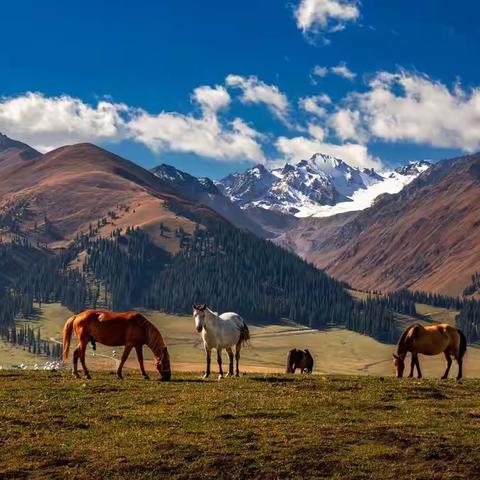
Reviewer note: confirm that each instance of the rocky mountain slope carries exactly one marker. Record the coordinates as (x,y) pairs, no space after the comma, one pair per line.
(426,237)
(321,186)
(203,190)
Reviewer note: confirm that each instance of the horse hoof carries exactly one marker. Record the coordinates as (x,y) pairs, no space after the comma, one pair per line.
(88,377)
(220,376)
(76,375)
(119,377)
(205,376)
(146,377)
(237,374)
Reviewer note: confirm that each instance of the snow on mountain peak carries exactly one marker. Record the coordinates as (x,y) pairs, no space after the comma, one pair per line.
(320,186)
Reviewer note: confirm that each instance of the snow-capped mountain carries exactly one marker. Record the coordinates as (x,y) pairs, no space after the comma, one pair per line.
(321,186)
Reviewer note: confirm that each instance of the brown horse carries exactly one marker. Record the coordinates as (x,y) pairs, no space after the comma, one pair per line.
(299,359)
(430,340)
(114,329)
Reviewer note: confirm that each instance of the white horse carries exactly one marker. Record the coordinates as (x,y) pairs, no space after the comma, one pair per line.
(221,331)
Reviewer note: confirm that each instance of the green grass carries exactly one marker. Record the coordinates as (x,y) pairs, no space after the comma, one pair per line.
(336,350)
(257,426)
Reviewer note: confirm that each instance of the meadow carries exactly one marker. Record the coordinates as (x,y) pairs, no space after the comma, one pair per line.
(257,426)
(336,350)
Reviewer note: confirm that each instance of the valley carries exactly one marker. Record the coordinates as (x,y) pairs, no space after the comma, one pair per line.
(336,350)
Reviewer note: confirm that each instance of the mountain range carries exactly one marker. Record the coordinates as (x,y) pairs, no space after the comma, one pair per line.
(320,186)
(417,226)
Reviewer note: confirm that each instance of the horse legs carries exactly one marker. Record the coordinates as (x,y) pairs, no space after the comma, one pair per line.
(219,360)
(208,352)
(76,355)
(418,366)
(237,359)
(460,369)
(412,365)
(139,350)
(126,353)
(230,362)
(448,358)
(83,348)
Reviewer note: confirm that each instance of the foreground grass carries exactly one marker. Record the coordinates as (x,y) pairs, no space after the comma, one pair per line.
(252,427)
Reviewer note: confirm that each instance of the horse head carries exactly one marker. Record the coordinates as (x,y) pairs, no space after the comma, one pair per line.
(163,365)
(399,364)
(199,316)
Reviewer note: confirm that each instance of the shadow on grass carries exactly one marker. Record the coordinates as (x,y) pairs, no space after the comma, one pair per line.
(273,379)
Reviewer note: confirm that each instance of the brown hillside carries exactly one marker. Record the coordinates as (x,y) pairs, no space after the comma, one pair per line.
(55,196)
(427,237)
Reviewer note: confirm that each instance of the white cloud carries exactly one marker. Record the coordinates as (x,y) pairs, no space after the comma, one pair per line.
(204,136)
(314,105)
(343,71)
(211,99)
(346,124)
(411,107)
(257,91)
(49,122)
(319,71)
(298,148)
(319,16)
(316,131)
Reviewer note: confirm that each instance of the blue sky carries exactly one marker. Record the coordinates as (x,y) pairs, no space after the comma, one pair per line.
(396,81)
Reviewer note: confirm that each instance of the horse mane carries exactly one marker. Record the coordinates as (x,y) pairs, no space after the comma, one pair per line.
(154,337)
(402,343)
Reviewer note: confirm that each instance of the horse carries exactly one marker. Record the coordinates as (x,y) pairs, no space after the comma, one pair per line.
(114,329)
(299,359)
(430,340)
(221,331)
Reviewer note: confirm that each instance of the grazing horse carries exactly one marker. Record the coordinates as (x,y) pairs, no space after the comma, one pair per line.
(114,329)
(299,359)
(430,340)
(221,331)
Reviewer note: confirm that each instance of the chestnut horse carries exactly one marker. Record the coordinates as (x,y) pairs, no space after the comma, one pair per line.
(430,340)
(114,329)
(299,359)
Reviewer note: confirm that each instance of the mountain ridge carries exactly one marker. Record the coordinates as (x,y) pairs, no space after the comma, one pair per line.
(321,186)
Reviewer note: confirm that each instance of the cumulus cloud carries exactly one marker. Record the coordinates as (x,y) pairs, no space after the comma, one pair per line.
(341,70)
(259,92)
(301,147)
(347,125)
(204,136)
(320,16)
(49,122)
(319,71)
(411,107)
(211,99)
(315,104)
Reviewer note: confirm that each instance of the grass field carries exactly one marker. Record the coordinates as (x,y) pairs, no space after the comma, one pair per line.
(336,351)
(257,426)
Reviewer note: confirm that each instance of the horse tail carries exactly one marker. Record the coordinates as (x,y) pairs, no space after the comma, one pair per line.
(290,360)
(309,360)
(463,344)
(244,335)
(67,336)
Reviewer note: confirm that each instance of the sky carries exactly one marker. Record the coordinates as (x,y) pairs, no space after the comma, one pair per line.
(216,86)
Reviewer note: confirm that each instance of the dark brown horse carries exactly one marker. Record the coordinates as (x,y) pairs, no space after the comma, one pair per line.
(115,329)
(430,340)
(301,359)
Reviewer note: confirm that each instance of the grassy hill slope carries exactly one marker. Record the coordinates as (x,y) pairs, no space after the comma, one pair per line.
(336,350)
